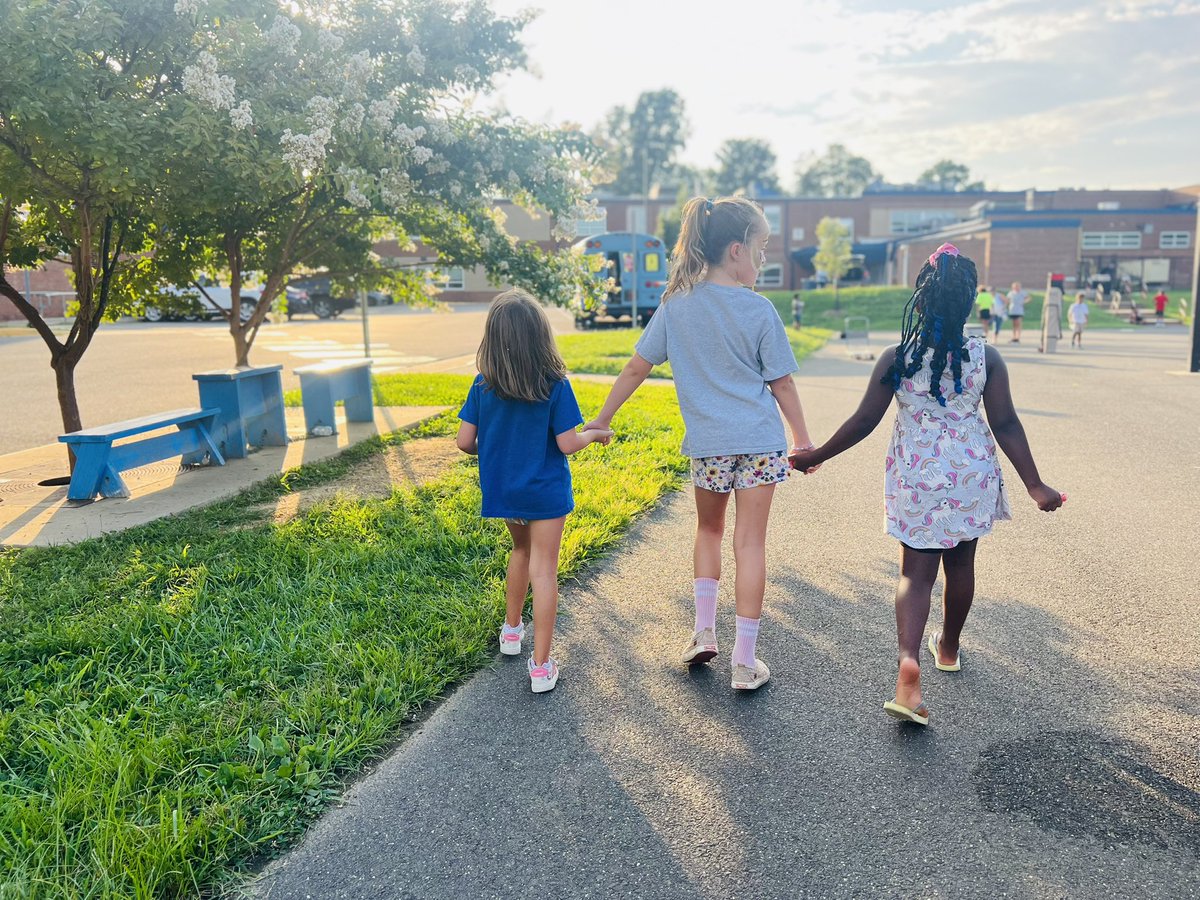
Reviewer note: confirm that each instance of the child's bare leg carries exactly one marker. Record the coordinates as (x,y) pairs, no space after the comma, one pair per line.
(958,565)
(545,537)
(753,510)
(710,533)
(918,571)
(517,586)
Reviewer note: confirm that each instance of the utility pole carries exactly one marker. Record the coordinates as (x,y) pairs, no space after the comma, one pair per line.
(1195,362)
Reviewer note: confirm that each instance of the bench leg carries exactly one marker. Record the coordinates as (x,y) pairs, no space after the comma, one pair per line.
(208,446)
(274,422)
(361,407)
(91,465)
(318,404)
(112,484)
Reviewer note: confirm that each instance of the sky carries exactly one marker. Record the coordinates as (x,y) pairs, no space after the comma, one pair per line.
(1027,93)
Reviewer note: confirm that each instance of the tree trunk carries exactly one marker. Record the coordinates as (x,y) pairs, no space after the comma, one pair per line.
(837,303)
(241,346)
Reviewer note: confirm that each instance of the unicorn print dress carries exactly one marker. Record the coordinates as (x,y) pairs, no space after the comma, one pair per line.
(943,482)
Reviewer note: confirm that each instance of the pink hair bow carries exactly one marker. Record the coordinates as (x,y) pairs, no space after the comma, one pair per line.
(948,249)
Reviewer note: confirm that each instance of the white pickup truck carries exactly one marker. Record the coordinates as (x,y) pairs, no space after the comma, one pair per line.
(218,301)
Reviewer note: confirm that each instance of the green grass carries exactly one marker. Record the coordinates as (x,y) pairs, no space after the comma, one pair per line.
(884,306)
(606,352)
(181,699)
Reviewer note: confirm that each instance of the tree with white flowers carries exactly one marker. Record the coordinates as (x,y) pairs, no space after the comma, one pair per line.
(338,123)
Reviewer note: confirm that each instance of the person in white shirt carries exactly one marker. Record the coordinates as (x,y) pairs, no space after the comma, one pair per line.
(1078,316)
(1016,309)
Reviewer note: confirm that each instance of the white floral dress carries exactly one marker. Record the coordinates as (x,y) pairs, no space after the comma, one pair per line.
(943,482)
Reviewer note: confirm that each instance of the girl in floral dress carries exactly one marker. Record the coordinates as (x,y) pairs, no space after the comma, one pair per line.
(943,483)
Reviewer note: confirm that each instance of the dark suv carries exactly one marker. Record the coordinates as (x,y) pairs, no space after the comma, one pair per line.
(320,300)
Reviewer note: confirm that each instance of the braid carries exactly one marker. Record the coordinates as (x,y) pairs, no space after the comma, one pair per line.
(934,319)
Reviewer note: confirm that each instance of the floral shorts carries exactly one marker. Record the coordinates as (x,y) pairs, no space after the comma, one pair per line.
(723,474)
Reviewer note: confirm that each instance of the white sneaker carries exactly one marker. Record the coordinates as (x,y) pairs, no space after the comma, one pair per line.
(544,677)
(510,641)
(747,679)
(701,648)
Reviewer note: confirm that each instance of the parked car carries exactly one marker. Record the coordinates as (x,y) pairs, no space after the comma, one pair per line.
(318,298)
(191,306)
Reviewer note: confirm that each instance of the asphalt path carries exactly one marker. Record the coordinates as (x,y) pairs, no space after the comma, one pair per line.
(1062,762)
(137,368)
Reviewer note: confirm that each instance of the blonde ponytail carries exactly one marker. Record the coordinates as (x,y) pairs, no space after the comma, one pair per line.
(707,229)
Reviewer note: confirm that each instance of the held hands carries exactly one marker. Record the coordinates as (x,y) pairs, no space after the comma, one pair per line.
(594,435)
(1046,497)
(801,459)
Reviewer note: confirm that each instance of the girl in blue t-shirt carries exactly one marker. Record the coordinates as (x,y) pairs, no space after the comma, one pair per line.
(520,419)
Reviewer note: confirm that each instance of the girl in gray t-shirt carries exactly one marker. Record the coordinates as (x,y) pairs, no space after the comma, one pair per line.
(733,364)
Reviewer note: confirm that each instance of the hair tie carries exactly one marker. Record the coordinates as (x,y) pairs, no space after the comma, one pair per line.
(945,249)
(708,206)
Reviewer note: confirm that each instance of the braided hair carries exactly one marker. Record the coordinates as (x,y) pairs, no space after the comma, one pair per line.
(934,318)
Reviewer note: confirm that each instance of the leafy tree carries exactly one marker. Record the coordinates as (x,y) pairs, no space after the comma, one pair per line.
(349,121)
(833,252)
(83,143)
(746,164)
(671,220)
(947,175)
(640,145)
(839,173)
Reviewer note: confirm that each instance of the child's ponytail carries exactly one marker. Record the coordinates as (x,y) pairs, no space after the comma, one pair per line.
(707,229)
(687,259)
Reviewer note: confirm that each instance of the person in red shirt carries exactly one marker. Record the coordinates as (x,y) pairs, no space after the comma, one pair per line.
(1160,306)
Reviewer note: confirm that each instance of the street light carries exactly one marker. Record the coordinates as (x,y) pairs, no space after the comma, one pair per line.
(1195,365)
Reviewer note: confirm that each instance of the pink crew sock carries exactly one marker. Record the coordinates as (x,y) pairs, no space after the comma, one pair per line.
(743,645)
(706,604)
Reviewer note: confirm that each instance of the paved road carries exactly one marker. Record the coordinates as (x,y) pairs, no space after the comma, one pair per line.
(1062,762)
(137,368)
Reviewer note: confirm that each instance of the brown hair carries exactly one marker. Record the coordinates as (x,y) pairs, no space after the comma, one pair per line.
(707,228)
(518,357)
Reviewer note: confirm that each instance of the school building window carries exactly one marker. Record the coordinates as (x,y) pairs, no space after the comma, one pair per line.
(1112,240)
(797,235)
(774,215)
(849,225)
(770,277)
(451,279)
(1174,240)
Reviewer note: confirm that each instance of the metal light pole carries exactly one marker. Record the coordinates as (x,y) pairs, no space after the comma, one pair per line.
(1195,363)
(362,302)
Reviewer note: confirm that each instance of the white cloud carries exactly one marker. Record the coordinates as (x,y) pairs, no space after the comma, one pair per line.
(1023,91)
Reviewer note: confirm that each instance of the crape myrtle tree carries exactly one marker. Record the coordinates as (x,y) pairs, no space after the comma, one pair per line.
(312,133)
(83,145)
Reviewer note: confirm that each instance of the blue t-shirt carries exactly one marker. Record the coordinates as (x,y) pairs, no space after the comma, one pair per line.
(522,473)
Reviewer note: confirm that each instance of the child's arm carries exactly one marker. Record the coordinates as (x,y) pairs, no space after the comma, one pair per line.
(468,438)
(632,375)
(871,408)
(573,441)
(788,398)
(1009,433)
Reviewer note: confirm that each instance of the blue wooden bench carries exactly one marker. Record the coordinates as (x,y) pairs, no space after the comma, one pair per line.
(250,404)
(323,384)
(99,464)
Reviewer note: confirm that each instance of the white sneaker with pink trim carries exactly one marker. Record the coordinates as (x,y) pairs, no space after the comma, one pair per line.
(510,641)
(544,677)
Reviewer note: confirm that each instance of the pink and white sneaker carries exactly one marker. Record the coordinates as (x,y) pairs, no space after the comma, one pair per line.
(544,677)
(510,641)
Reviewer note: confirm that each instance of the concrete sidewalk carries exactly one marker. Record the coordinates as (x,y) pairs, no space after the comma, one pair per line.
(1062,762)
(36,515)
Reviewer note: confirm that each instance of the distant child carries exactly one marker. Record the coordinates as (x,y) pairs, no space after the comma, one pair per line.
(1077,315)
(733,369)
(1160,306)
(1017,298)
(797,311)
(999,309)
(944,487)
(520,418)
(983,303)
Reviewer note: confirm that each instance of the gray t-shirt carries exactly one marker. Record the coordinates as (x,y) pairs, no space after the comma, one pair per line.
(724,345)
(1016,302)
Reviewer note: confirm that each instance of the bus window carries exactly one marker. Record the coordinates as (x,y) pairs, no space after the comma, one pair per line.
(614,266)
(627,262)
(652,262)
